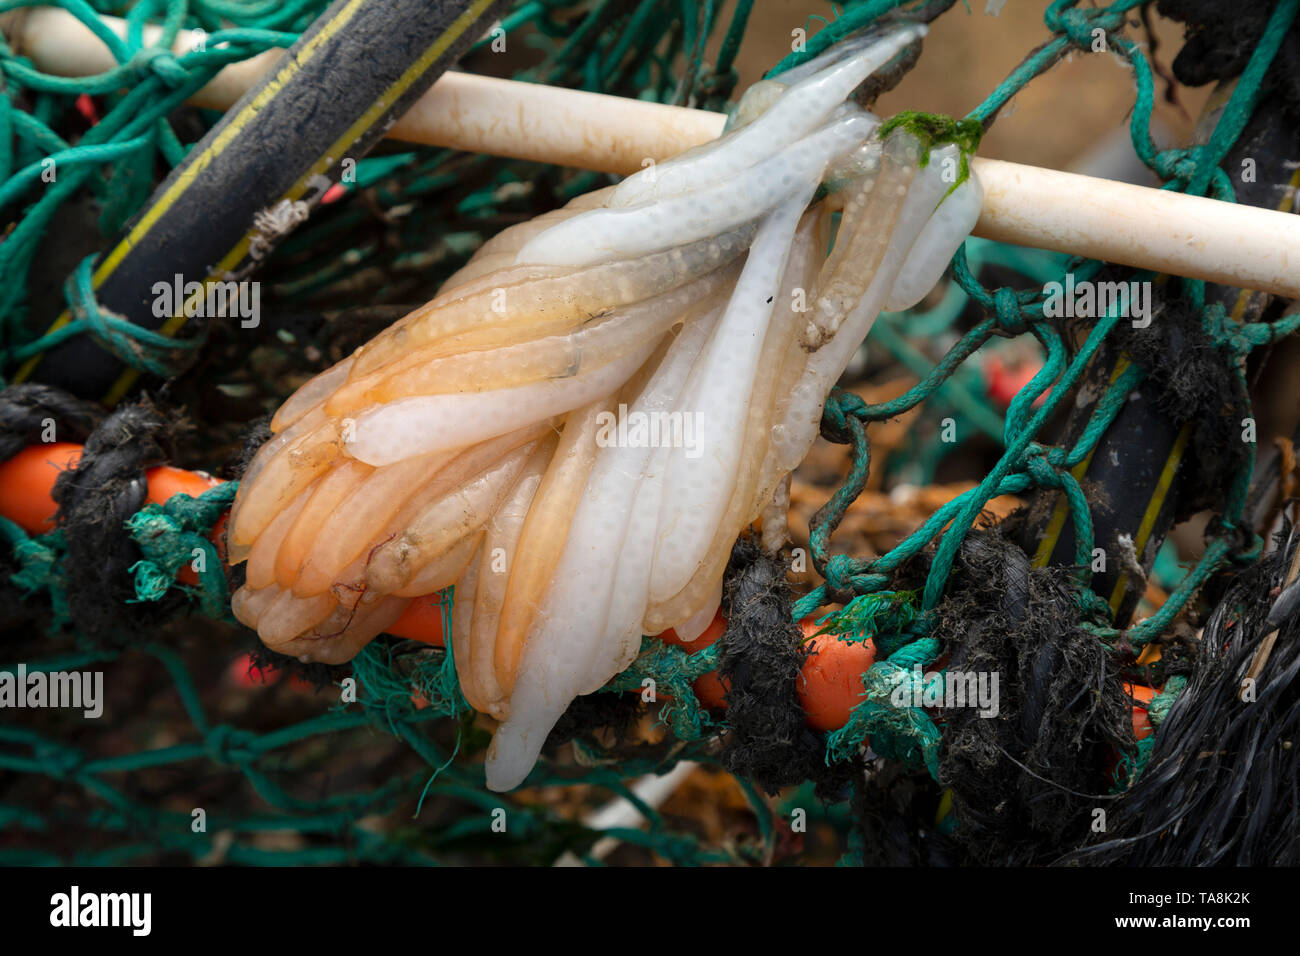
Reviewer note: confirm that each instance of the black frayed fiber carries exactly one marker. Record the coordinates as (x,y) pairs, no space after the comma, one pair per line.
(1193,376)
(760,661)
(1024,782)
(262,658)
(894,812)
(95,500)
(1188,378)
(256,434)
(27,412)
(1222,784)
(1220,38)
(614,713)
(31,415)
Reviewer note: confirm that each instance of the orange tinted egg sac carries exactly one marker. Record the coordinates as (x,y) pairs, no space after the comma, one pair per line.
(831,683)
(27,482)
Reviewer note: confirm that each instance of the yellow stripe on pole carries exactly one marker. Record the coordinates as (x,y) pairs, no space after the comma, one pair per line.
(187,177)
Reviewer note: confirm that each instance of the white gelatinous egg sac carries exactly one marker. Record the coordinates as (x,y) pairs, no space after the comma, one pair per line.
(576,430)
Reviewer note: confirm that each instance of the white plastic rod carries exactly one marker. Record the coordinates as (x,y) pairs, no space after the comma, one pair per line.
(1236,245)
(477,114)
(1136,226)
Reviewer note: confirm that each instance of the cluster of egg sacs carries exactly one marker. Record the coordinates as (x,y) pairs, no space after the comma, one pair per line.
(496,438)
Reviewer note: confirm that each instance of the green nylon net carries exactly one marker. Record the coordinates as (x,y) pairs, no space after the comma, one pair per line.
(439,206)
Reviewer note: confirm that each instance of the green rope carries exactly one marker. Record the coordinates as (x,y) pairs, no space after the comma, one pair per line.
(174,535)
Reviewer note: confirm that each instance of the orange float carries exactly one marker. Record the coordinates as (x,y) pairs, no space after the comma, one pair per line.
(163,482)
(830,684)
(27,484)
(421,621)
(709,688)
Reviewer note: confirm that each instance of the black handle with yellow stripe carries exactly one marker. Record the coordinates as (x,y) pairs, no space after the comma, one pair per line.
(1131,481)
(257,172)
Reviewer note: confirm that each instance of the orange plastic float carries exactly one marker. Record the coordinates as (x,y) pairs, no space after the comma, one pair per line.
(830,684)
(27,484)
(421,621)
(709,688)
(165,481)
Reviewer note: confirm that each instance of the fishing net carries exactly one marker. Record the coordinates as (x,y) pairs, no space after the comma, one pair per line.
(280,781)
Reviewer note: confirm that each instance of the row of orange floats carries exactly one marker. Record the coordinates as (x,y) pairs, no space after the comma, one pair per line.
(831,682)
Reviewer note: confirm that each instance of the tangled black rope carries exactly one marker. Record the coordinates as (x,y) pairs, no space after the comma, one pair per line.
(1221,785)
